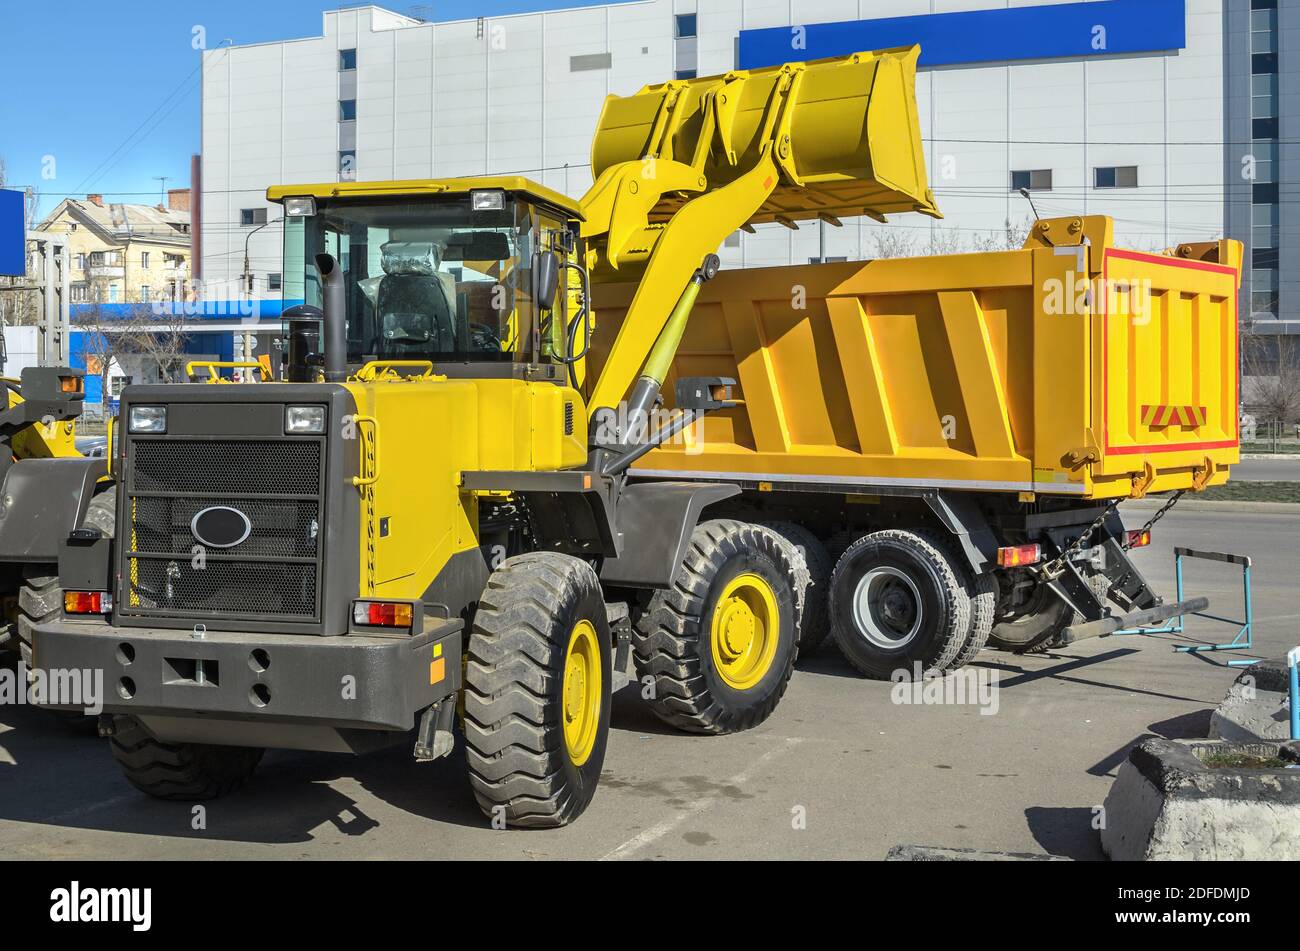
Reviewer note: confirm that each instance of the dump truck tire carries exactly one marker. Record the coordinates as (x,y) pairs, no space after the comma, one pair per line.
(717,648)
(186,772)
(983,593)
(40,599)
(1013,634)
(815,624)
(897,600)
(537,691)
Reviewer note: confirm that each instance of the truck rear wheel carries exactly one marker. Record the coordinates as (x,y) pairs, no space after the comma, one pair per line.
(718,647)
(537,691)
(814,625)
(179,771)
(897,600)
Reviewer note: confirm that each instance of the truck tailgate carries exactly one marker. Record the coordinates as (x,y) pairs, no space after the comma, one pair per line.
(1165,343)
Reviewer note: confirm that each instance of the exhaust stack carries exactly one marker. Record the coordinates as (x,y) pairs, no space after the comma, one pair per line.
(335,323)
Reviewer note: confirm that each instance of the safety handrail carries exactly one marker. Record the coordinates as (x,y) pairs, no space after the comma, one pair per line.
(192,367)
(361,481)
(376,369)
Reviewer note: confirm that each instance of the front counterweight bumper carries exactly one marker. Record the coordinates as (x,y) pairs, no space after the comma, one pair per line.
(350,682)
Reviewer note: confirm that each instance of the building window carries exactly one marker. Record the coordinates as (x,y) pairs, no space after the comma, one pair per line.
(347,110)
(347,60)
(80,293)
(79,262)
(348,166)
(112,293)
(686,24)
(1263,129)
(249,217)
(144,293)
(1265,222)
(1263,95)
(144,260)
(1263,29)
(732,240)
(1036,180)
(96,258)
(590,61)
(1265,154)
(274,282)
(1264,193)
(685,74)
(1116,176)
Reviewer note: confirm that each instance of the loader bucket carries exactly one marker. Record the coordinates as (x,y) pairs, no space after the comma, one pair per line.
(853,145)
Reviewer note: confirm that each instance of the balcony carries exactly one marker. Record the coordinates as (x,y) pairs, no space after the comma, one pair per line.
(106,272)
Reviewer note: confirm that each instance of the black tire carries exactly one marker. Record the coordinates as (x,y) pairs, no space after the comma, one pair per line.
(40,599)
(916,587)
(983,607)
(1047,613)
(814,624)
(186,772)
(522,767)
(673,641)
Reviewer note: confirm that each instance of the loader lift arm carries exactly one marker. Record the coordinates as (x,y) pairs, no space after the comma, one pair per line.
(680,166)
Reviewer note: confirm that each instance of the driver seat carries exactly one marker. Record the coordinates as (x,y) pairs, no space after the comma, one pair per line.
(412,302)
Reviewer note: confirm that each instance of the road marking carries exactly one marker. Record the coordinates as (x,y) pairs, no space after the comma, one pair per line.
(93,807)
(661,829)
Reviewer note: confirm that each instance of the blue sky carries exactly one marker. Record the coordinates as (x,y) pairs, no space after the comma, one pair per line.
(110,91)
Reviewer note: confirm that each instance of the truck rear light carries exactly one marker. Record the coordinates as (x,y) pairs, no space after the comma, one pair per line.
(69,384)
(87,602)
(382,614)
(1017,555)
(1139,538)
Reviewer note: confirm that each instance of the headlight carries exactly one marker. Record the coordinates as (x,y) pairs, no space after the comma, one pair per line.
(299,420)
(299,207)
(487,200)
(148,419)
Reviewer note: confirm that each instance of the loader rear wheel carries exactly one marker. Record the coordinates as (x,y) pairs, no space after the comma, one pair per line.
(718,647)
(896,601)
(186,772)
(815,624)
(537,691)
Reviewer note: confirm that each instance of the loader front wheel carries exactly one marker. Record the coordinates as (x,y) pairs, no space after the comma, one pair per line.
(186,772)
(898,602)
(537,691)
(717,649)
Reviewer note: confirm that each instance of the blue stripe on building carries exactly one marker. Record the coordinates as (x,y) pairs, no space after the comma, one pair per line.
(1055,31)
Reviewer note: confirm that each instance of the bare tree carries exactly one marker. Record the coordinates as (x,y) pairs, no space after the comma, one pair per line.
(893,243)
(157,334)
(1272,365)
(99,345)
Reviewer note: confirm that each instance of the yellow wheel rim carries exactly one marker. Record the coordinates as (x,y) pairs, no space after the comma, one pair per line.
(746,631)
(580,692)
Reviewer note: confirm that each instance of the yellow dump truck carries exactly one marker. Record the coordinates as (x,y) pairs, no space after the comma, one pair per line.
(466,492)
(1001,402)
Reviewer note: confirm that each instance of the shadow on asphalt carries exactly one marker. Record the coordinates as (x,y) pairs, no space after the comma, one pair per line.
(1065,832)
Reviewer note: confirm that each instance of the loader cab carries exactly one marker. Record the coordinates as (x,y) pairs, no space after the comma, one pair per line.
(457,275)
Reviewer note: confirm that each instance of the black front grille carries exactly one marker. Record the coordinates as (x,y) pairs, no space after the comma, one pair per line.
(273,574)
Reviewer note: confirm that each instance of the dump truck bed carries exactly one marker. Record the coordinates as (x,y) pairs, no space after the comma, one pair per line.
(1073,369)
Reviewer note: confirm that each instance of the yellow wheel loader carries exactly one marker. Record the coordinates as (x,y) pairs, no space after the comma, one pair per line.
(48,489)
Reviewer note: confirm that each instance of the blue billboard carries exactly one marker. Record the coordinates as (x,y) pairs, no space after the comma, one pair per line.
(1052,31)
(13,237)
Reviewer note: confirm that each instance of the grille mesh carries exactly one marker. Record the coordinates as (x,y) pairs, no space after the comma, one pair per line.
(172,480)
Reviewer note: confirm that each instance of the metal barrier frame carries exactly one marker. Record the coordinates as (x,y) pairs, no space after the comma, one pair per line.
(1245,638)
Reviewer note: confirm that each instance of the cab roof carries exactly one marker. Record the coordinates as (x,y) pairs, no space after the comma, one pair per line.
(427,186)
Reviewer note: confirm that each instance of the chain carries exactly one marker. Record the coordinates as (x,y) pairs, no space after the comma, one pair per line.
(1053,567)
(1164,509)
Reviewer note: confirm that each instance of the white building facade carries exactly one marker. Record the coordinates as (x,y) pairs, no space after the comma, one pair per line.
(1105,106)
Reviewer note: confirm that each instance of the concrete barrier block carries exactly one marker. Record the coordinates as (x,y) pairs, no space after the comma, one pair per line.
(1256,708)
(928,853)
(1205,800)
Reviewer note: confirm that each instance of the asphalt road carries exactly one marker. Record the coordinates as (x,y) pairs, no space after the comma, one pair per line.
(862,772)
(1267,470)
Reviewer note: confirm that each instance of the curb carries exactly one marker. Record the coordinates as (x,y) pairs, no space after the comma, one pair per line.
(1196,505)
(1266,456)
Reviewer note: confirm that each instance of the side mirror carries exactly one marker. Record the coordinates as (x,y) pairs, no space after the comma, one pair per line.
(546,272)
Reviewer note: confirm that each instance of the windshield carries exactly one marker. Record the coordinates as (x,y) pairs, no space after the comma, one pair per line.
(430,279)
